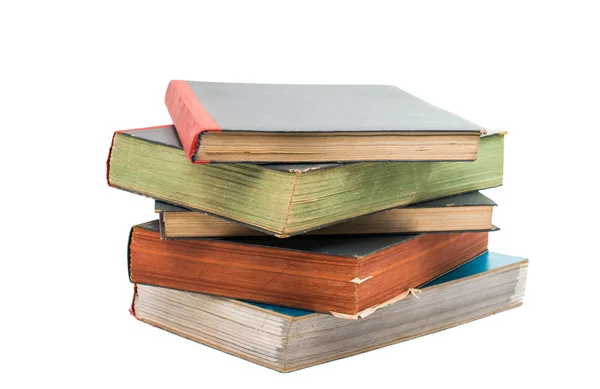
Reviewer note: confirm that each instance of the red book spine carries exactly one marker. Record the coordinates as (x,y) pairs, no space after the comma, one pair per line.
(190,118)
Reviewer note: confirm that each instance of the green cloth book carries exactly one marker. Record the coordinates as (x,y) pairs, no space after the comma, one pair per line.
(289,199)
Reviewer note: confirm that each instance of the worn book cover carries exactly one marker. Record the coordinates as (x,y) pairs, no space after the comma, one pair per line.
(235,122)
(289,199)
(288,339)
(346,274)
(468,212)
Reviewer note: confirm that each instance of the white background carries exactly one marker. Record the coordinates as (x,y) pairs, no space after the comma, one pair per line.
(71,74)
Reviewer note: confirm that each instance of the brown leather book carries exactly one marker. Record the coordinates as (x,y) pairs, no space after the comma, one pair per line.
(345,275)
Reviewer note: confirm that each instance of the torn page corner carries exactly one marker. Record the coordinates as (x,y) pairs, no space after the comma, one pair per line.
(359,281)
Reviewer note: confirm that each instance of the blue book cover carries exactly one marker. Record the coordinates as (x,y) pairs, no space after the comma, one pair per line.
(485,262)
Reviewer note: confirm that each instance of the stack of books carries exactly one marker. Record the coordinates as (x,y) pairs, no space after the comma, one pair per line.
(298,224)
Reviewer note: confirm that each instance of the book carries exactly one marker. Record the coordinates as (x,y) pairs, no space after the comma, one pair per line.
(289,199)
(287,339)
(468,212)
(232,122)
(347,274)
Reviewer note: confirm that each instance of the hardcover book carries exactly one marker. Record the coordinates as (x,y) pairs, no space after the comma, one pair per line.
(349,275)
(287,339)
(229,122)
(288,199)
(468,212)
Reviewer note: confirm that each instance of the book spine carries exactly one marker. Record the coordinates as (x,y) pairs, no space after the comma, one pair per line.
(132,307)
(190,118)
(161,223)
(129,241)
(112,143)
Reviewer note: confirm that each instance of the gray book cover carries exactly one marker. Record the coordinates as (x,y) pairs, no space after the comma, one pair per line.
(200,107)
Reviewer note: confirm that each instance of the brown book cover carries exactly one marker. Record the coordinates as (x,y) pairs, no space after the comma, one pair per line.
(345,275)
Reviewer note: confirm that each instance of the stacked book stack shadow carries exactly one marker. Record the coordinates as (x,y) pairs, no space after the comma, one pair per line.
(298,224)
